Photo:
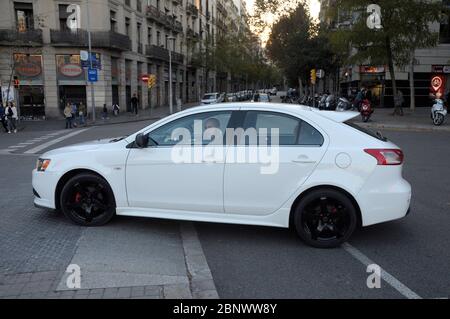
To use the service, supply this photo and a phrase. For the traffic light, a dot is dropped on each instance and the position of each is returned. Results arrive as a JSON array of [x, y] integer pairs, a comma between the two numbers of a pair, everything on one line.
[[313, 76], [16, 82]]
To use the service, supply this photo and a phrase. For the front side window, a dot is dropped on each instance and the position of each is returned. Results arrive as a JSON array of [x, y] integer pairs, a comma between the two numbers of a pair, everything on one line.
[[291, 131], [195, 126]]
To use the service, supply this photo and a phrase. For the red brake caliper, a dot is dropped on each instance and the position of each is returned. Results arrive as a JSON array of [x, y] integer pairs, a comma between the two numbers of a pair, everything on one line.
[[77, 197]]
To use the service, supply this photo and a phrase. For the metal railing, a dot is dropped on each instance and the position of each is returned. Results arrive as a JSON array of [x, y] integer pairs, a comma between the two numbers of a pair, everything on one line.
[[192, 9], [100, 39], [13, 37], [160, 53]]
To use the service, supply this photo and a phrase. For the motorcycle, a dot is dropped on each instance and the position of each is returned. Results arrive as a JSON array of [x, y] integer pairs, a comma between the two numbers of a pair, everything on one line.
[[438, 112], [322, 102], [343, 105], [366, 110]]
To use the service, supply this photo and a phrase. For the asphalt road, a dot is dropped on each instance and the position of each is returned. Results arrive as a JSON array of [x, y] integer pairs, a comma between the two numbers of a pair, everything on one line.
[[255, 262]]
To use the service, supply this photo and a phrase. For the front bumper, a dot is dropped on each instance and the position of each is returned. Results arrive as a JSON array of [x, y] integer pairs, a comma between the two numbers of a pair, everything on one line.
[[44, 186]]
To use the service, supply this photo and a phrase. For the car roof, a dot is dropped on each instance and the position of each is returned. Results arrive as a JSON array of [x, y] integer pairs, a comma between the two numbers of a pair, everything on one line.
[[278, 107]]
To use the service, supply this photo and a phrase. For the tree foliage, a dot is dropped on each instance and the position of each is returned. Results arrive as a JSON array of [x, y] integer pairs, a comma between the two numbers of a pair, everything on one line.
[[297, 45]]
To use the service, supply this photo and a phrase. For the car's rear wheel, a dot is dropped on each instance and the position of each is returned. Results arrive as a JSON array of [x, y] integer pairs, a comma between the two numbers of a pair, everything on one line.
[[325, 218], [88, 200]]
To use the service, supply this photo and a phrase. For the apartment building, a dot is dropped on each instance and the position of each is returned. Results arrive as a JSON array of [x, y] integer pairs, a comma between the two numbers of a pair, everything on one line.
[[430, 63], [130, 38]]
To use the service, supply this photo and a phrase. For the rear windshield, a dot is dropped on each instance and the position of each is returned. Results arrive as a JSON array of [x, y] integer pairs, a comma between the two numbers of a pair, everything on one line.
[[376, 135], [209, 97]]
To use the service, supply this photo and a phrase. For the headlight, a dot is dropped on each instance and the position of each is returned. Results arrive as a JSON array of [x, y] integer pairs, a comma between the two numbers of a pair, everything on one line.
[[42, 164]]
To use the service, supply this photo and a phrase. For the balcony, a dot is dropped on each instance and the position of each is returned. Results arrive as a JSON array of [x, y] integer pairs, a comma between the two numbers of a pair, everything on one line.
[[99, 39], [159, 53], [191, 34], [177, 2], [12, 37], [154, 14], [221, 9], [192, 10]]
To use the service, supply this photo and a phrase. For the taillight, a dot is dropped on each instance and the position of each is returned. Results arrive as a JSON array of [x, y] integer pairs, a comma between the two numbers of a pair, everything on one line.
[[387, 156]]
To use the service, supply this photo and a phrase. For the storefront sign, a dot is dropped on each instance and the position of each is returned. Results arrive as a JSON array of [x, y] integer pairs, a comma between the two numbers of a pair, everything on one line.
[[28, 69], [372, 69], [437, 84], [70, 70], [441, 69]]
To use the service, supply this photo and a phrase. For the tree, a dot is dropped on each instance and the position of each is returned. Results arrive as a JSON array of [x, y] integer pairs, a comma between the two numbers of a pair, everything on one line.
[[405, 28], [296, 45]]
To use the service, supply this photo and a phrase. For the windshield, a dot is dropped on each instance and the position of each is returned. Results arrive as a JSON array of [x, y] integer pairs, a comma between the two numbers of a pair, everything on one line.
[[376, 135]]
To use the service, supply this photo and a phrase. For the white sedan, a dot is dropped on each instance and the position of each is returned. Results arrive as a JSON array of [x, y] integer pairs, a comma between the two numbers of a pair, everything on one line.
[[277, 165]]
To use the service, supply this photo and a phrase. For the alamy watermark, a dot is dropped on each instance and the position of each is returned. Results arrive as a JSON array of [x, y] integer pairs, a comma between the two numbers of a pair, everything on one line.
[[73, 280], [252, 146]]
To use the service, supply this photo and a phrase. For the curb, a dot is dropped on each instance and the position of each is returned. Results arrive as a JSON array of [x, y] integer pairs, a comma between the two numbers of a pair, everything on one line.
[[406, 127]]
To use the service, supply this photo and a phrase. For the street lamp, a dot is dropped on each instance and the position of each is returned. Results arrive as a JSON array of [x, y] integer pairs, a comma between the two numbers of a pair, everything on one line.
[[170, 76]]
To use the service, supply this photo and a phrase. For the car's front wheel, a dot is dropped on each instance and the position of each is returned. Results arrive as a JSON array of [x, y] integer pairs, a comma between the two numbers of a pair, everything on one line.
[[325, 218], [88, 200]]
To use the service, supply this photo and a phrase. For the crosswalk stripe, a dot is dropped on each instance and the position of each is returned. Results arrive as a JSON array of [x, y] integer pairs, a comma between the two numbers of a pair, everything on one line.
[[53, 142]]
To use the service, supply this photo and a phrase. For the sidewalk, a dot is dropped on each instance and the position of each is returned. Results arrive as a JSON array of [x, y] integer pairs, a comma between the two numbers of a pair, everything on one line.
[[124, 117], [414, 121]]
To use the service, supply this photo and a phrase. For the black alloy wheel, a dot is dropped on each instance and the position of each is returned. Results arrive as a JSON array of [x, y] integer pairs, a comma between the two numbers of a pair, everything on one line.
[[88, 200], [325, 218]]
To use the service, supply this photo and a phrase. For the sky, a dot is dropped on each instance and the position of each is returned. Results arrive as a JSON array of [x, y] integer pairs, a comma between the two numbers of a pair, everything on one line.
[[313, 4]]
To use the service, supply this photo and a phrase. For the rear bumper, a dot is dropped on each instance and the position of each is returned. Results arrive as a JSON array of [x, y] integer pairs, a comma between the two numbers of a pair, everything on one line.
[[385, 197]]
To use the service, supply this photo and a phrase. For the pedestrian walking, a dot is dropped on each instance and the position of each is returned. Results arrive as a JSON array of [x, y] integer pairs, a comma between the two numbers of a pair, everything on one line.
[[134, 103], [116, 109], [398, 103], [81, 114], [3, 118], [68, 116], [105, 112], [11, 115], [74, 110]]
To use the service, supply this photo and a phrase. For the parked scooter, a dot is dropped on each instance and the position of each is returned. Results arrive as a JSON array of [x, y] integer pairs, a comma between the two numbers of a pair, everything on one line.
[[366, 110], [322, 102], [438, 112], [330, 103], [344, 105]]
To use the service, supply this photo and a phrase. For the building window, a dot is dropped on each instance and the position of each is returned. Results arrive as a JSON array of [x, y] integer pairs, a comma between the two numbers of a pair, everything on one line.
[[149, 36], [113, 20], [158, 38], [127, 3], [139, 5], [24, 16], [158, 4], [167, 42], [63, 15], [127, 27], [139, 32]]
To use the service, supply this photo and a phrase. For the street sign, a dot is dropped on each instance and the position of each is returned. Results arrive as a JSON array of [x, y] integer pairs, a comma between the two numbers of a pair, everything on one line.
[[320, 74], [96, 60], [92, 75], [144, 77]]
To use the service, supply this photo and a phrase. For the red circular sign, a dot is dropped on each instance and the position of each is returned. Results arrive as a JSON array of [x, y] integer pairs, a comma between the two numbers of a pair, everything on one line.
[[144, 77], [436, 83], [28, 69], [70, 70]]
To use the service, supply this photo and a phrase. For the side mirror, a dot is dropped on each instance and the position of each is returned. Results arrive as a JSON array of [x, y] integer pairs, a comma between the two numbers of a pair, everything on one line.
[[141, 140]]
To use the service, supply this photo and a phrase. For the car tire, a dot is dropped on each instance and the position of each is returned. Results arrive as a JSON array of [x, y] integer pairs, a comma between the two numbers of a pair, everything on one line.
[[329, 211], [88, 200]]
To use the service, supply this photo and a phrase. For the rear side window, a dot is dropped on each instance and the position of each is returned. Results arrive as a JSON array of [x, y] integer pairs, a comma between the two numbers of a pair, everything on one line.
[[364, 130], [292, 131]]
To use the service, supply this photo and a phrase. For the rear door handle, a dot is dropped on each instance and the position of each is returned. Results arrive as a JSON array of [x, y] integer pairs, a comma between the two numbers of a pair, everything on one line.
[[303, 159]]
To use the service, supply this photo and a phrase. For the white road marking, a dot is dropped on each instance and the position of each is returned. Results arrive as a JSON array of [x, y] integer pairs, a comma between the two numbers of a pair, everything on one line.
[[387, 277], [16, 146], [53, 142]]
